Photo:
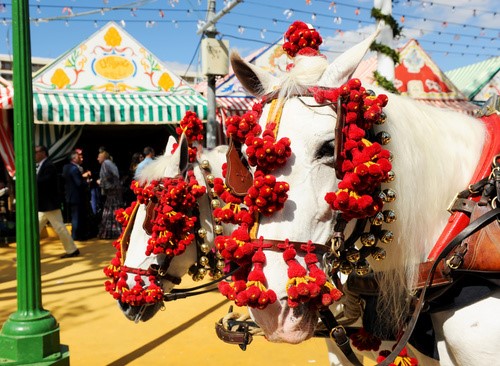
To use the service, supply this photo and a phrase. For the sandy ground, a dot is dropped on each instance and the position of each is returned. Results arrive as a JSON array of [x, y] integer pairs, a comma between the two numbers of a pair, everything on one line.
[[98, 334]]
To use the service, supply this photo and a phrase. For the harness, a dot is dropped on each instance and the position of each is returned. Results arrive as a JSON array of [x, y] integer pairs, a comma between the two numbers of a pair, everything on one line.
[[239, 179], [446, 261]]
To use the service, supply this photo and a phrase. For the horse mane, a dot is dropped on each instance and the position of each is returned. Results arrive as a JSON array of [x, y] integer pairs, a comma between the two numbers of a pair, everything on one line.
[[155, 169], [433, 148]]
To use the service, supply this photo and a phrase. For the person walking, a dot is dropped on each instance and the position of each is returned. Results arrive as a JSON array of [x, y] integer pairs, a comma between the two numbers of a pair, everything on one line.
[[111, 190], [49, 203], [76, 192], [149, 154]]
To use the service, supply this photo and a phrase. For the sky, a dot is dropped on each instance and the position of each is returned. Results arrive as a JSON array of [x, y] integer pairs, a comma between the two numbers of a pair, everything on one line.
[[454, 33]]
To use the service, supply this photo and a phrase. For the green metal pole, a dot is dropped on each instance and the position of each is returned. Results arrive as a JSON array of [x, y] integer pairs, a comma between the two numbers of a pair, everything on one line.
[[31, 334]]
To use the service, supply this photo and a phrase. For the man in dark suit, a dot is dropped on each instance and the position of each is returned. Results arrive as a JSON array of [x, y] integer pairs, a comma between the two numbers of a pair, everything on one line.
[[76, 191], [49, 204]]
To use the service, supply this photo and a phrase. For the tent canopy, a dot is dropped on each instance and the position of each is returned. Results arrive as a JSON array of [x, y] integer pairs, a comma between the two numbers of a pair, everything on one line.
[[478, 81], [111, 78]]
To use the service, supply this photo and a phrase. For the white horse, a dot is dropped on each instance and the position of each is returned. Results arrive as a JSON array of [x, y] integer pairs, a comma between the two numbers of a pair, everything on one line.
[[136, 261], [435, 154]]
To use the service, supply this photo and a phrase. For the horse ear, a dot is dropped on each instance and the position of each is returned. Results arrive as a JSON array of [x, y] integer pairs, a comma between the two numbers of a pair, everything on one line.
[[183, 150], [254, 79], [343, 67], [170, 144]]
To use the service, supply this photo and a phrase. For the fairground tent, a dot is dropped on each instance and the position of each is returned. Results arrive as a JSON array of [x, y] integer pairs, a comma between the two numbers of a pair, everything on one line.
[[479, 81], [418, 77], [108, 79]]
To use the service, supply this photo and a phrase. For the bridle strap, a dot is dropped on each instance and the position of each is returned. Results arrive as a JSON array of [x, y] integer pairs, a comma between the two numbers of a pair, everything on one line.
[[339, 141], [125, 240], [280, 245], [338, 334]]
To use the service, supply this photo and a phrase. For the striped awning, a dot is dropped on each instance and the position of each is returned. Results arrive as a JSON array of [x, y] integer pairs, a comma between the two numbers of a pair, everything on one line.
[[235, 105], [462, 106], [91, 108]]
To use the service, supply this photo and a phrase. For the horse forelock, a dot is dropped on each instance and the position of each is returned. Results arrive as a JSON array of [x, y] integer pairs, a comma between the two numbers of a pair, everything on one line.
[[306, 72]]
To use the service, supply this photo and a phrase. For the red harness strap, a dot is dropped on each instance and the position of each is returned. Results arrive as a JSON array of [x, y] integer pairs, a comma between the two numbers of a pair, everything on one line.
[[458, 220]]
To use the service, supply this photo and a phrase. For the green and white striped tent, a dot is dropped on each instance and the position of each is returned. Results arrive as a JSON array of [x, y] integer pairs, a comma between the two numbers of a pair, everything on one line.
[[478, 81], [108, 79], [112, 78], [92, 108]]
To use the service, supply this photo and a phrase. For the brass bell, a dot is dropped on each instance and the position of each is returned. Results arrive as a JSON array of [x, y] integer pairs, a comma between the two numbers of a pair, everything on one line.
[[197, 277], [391, 156], [204, 261], [335, 263], [202, 232], [346, 267], [379, 254], [212, 192], [220, 265], [382, 119], [217, 275], [352, 255], [202, 272], [205, 248], [210, 179], [368, 239], [218, 255], [383, 137], [205, 164], [215, 203], [362, 268], [389, 216], [192, 270], [377, 219], [390, 176], [390, 195], [386, 236], [219, 229]]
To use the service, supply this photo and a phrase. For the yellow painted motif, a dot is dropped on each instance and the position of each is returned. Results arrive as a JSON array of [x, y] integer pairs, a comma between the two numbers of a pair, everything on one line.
[[115, 88], [114, 67], [112, 37], [165, 81], [60, 79]]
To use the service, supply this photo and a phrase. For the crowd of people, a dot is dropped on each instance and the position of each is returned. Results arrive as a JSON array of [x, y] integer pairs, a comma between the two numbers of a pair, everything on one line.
[[91, 203]]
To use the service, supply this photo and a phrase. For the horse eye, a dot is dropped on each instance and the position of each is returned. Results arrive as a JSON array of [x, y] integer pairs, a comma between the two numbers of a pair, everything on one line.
[[326, 151]]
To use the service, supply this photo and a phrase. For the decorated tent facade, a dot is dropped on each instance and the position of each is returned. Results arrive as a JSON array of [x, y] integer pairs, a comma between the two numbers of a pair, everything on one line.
[[109, 79], [479, 81], [418, 77]]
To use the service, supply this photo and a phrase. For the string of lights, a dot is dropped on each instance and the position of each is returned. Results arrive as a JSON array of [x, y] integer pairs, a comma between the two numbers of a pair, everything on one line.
[[139, 6], [450, 37]]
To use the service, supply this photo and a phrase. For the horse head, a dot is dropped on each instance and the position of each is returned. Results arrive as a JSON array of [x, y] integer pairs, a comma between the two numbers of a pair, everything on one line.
[[310, 172], [146, 274]]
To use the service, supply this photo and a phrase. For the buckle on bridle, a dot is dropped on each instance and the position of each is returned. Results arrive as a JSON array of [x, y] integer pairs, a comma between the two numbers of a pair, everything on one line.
[[339, 335]]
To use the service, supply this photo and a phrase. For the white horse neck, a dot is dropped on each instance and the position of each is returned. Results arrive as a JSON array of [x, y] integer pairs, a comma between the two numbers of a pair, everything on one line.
[[435, 155]]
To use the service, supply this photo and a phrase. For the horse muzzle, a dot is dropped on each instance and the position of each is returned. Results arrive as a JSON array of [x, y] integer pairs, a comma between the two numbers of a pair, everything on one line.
[[139, 313], [283, 324]]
